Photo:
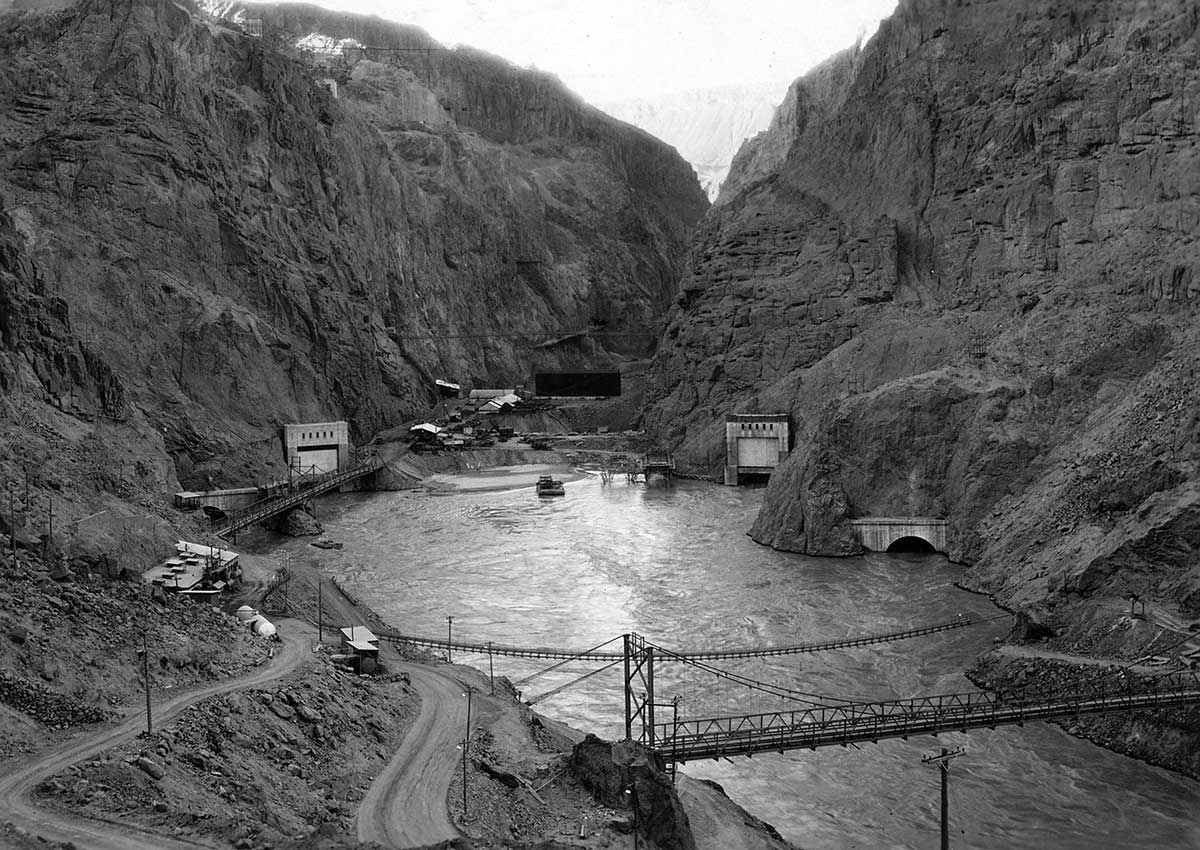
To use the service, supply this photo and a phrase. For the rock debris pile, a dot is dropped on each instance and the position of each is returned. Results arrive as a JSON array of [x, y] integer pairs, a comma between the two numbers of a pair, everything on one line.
[[258, 768], [69, 648], [52, 709]]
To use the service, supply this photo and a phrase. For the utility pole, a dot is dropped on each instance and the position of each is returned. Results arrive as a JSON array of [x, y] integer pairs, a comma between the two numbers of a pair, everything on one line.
[[633, 799], [449, 635], [49, 528], [491, 672], [466, 743], [145, 653], [12, 522], [320, 615], [943, 763]]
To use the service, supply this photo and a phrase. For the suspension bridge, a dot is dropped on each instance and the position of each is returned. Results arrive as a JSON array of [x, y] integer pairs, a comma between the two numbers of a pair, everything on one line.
[[598, 653], [824, 721]]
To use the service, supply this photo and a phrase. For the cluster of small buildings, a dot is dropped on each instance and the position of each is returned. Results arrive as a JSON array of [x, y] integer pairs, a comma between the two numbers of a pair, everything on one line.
[[196, 570], [459, 428]]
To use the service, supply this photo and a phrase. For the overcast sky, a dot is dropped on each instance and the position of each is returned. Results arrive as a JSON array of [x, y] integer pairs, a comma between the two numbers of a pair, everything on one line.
[[614, 49]]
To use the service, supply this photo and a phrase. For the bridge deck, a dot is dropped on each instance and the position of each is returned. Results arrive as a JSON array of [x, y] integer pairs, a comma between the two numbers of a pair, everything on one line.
[[314, 486], [718, 737]]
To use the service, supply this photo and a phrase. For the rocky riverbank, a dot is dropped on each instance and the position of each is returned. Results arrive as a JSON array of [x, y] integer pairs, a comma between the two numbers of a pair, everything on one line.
[[1168, 737]]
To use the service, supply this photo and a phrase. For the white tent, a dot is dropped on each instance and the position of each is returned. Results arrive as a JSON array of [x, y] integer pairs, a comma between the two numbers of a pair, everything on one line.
[[427, 427]]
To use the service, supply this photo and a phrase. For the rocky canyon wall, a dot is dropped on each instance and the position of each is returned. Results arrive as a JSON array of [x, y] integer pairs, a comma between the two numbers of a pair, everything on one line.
[[205, 235], [963, 259]]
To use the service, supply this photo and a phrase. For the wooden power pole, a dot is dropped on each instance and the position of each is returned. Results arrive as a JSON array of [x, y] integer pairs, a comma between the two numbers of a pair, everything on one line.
[[943, 763]]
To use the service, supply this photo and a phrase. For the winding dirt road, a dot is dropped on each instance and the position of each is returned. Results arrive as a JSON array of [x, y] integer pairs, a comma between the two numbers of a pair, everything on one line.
[[406, 804], [16, 788]]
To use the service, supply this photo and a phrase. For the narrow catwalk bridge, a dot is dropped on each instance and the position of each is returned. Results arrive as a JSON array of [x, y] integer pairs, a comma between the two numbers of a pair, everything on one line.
[[851, 723], [598, 653], [311, 486]]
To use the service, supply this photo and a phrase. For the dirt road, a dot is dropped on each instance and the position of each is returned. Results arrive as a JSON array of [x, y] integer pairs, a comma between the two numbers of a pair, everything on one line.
[[16, 787], [406, 804]]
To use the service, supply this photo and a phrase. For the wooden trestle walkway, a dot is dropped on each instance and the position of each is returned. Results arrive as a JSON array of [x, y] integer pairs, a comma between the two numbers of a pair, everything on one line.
[[678, 655], [311, 486], [825, 726]]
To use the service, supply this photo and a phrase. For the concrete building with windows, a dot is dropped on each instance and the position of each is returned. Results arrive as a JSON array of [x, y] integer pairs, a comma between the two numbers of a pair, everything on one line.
[[316, 447], [755, 443]]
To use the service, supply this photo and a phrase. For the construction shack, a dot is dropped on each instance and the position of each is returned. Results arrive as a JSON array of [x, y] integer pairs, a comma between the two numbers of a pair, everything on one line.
[[363, 646]]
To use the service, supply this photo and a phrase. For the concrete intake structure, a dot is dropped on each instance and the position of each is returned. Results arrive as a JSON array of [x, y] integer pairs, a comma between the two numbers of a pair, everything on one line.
[[879, 533], [317, 447], [755, 443]]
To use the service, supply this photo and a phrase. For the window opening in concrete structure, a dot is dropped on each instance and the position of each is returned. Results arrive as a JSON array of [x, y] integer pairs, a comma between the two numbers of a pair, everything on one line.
[[753, 479]]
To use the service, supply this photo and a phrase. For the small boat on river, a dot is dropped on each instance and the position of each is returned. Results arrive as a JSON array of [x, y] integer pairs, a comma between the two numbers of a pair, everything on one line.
[[549, 486]]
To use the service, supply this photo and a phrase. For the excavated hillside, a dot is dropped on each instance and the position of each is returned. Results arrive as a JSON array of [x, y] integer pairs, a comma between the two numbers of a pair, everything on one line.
[[205, 235], [963, 260]]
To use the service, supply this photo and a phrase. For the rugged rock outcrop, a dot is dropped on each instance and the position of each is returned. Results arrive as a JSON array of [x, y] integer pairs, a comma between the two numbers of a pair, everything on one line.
[[624, 773], [205, 235], [963, 259]]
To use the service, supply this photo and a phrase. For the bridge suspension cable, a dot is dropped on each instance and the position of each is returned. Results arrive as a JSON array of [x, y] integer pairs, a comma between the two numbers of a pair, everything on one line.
[[754, 684], [845, 643], [584, 654], [574, 682], [683, 654]]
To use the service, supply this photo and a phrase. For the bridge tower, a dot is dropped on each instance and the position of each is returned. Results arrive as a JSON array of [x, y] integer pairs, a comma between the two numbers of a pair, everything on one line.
[[639, 688]]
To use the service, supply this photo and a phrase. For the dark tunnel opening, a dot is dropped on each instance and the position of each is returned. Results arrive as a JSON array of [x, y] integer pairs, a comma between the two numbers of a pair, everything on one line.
[[911, 544]]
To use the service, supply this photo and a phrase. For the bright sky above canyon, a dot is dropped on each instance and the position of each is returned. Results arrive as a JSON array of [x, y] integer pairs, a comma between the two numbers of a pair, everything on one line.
[[616, 49]]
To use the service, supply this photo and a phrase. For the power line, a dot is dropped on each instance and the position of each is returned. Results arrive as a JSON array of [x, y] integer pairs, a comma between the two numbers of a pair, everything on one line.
[[510, 334]]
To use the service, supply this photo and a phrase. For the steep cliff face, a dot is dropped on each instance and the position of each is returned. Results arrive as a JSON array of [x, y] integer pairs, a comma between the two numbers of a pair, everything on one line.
[[963, 260], [240, 248]]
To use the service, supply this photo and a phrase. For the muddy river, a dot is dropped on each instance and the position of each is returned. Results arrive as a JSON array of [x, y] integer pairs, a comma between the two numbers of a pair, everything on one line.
[[676, 566]]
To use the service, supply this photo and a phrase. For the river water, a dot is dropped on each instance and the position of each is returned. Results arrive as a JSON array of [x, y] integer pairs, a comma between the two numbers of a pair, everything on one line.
[[675, 566]]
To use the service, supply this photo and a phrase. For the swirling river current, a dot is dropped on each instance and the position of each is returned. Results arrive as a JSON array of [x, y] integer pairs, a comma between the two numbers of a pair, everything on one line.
[[676, 566]]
